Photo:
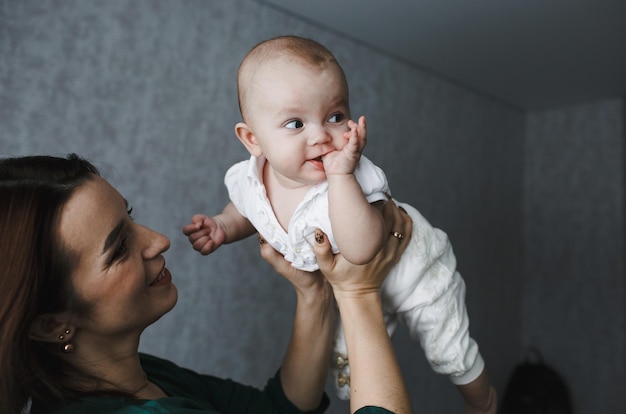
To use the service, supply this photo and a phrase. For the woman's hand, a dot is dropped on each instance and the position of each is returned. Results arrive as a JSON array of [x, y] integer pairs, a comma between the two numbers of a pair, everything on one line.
[[307, 284], [349, 279]]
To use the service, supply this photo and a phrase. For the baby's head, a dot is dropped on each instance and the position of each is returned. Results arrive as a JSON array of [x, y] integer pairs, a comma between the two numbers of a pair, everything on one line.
[[298, 51]]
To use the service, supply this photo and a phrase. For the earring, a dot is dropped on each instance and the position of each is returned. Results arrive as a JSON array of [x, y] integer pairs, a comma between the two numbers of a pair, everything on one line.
[[67, 347]]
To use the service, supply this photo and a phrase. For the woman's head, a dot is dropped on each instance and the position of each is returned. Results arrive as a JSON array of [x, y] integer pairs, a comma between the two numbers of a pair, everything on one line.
[[71, 258]]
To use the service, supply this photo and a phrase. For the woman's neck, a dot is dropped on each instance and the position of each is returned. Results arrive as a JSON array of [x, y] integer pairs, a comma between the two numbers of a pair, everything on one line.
[[114, 367]]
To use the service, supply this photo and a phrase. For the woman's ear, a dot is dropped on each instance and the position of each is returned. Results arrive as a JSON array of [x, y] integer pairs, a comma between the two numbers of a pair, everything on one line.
[[49, 327], [248, 139]]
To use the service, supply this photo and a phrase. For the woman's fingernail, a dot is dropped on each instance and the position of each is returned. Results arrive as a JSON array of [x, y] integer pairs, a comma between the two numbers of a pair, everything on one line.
[[319, 237], [261, 239]]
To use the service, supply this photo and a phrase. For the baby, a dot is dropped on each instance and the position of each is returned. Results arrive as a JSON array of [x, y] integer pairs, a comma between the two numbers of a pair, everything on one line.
[[306, 172]]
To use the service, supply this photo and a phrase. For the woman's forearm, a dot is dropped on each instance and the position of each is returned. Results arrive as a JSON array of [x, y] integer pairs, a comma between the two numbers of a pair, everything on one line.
[[305, 365], [375, 377]]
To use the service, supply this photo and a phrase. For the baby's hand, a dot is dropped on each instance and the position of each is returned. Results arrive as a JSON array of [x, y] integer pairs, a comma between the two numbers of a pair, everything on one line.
[[345, 161], [204, 233]]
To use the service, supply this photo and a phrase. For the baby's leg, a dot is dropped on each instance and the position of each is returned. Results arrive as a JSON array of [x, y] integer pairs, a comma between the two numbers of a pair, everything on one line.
[[340, 366]]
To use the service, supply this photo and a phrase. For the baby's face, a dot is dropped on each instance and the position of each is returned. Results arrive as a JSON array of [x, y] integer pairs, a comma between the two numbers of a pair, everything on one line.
[[298, 114]]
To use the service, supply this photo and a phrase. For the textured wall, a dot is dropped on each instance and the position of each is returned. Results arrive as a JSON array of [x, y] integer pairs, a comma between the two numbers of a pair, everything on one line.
[[146, 89], [574, 239]]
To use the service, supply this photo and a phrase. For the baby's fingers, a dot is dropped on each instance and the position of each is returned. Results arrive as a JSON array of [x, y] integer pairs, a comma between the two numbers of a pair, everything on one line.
[[204, 245], [362, 124], [188, 229], [361, 132], [197, 222]]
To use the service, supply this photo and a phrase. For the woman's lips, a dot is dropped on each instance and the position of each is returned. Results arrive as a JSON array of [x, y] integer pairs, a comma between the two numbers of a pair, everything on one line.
[[164, 278]]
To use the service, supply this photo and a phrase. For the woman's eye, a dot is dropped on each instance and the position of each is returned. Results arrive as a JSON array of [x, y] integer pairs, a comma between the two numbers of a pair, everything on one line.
[[295, 124], [335, 118], [121, 249]]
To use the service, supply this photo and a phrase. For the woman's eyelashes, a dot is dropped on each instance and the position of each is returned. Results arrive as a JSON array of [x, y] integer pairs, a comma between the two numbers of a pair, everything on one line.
[[121, 249], [122, 245]]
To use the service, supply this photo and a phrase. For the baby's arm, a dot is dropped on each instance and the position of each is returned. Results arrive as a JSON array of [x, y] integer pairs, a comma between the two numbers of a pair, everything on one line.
[[206, 233], [358, 226], [479, 396]]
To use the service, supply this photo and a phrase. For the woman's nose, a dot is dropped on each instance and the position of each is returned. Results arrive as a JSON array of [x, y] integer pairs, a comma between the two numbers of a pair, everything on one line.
[[155, 243]]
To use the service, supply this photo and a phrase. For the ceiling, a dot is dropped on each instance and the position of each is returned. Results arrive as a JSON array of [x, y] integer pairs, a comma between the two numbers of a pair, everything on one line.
[[532, 54]]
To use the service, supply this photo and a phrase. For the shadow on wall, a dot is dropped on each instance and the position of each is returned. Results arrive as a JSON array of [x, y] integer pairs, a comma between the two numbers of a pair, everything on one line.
[[536, 388]]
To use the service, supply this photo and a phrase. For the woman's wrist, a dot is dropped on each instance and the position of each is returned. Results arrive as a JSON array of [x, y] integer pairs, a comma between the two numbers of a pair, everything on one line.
[[358, 303], [356, 293], [314, 294], [316, 305]]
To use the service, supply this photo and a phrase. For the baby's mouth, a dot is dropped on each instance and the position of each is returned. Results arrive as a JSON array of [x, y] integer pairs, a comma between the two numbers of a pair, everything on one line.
[[317, 162]]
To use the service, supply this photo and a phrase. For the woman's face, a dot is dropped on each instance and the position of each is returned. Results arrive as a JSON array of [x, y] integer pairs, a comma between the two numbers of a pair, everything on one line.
[[120, 272]]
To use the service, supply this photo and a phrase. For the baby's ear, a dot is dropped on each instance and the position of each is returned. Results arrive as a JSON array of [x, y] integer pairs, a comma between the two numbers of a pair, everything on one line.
[[51, 328], [248, 139]]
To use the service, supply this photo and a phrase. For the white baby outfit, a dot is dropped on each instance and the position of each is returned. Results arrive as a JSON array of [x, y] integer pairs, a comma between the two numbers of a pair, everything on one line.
[[423, 290]]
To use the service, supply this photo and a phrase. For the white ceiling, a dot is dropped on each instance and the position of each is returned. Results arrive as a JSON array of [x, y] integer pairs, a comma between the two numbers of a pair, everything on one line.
[[532, 54]]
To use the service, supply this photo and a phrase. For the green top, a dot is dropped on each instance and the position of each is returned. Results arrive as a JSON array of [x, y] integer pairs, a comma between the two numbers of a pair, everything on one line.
[[191, 393], [372, 410]]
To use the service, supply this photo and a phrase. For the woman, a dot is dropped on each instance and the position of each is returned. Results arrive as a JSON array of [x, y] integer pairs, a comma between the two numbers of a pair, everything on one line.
[[80, 281]]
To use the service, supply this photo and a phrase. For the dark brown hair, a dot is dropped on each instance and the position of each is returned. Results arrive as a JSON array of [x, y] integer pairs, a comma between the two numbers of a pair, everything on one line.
[[34, 274]]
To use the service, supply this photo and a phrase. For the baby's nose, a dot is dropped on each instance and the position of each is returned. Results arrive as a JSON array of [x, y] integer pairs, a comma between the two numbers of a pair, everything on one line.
[[319, 136]]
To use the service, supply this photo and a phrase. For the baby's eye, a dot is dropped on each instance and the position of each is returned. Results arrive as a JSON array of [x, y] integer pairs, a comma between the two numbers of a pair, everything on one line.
[[295, 124], [336, 118], [130, 213]]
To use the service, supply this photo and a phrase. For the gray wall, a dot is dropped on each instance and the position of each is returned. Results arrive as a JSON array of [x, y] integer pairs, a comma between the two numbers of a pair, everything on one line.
[[146, 89], [574, 240]]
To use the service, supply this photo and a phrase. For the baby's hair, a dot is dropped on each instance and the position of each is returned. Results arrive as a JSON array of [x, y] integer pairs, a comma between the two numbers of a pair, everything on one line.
[[305, 51]]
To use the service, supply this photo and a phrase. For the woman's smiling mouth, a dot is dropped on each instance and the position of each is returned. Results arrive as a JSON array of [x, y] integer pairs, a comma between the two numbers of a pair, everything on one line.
[[162, 278]]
